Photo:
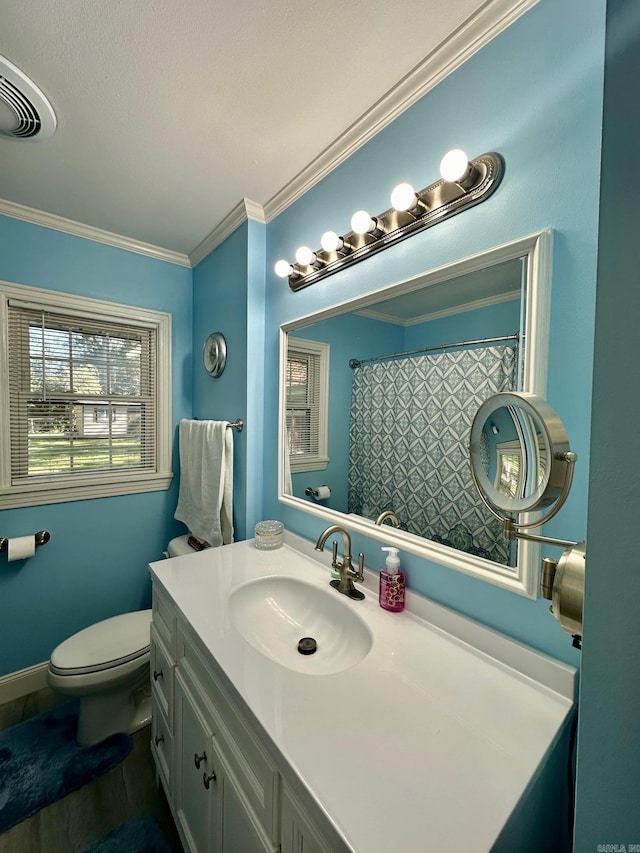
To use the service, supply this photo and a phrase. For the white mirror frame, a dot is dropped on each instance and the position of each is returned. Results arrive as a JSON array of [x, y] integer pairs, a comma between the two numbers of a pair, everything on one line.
[[524, 577]]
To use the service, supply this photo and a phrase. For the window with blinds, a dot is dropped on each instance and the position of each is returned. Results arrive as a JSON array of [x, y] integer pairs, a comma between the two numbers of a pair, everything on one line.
[[306, 394], [83, 401]]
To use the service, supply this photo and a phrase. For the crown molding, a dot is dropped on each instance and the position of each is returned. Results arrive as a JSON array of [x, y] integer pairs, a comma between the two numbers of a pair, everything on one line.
[[88, 232], [245, 209], [494, 17], [472, 305]]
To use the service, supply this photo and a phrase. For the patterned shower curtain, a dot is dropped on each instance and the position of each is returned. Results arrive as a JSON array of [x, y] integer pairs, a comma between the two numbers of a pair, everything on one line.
[[409, 443]]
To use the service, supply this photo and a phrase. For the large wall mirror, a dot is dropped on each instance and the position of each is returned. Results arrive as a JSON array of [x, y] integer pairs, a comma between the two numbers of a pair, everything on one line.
[[377, 398]]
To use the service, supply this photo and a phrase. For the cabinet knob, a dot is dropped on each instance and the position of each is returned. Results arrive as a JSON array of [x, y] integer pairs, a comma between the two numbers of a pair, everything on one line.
[[159, 739], [206, 780], [157, 673], [198, 759]]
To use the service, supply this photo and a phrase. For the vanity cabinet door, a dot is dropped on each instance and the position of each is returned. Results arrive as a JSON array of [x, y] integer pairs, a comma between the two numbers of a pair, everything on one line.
[[299, 833], [254, 771], [197, 801], [239, 828]]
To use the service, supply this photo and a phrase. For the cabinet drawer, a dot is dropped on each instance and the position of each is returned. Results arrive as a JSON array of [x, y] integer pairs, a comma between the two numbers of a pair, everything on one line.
[[162, 749], [248, 760], [163, 614], [162, 675]]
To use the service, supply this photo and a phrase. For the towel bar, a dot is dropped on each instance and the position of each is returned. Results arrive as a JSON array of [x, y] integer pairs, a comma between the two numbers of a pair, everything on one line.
[[237, 424]]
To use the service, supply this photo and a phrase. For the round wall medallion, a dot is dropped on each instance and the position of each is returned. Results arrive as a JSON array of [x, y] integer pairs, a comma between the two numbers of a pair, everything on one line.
[[214, 354]]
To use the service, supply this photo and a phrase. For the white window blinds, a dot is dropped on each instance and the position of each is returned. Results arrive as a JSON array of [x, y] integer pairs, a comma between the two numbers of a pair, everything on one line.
[[82, 394], [306, 399], [303, 402]]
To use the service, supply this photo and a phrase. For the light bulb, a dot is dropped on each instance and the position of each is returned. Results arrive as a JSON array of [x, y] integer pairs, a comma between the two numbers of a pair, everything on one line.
[[283, 269], [454, 165], [362, 223], [404, 197], [304, 256], [331, 242]]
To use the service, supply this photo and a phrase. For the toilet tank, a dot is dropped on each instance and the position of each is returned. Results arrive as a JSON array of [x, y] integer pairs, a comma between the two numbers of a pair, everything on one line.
[[179, 546]]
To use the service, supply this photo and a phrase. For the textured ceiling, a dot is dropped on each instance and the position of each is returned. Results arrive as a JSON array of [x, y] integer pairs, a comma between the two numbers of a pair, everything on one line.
[[170, 113]]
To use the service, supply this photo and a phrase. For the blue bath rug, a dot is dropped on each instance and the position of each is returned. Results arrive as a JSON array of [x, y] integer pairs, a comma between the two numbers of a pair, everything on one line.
[[40, 762], [140, 835]]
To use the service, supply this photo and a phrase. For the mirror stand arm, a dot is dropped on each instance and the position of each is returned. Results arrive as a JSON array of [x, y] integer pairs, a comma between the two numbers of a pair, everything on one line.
[[511, 532]]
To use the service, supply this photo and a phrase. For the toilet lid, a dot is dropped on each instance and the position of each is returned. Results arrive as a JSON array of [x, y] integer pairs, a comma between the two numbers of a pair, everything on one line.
[[106, 644]]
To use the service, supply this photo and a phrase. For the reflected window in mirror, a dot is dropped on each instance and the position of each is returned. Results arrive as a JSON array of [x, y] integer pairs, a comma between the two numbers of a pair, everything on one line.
[[306, 384], [410, 365]]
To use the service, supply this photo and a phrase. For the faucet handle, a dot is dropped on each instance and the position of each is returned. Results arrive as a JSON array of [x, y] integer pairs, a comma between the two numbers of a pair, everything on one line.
[[334, 563], [360, 574]]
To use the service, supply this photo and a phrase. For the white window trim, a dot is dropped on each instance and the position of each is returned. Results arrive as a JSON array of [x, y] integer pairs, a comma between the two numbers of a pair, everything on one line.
[[315, 461], [103, 483]]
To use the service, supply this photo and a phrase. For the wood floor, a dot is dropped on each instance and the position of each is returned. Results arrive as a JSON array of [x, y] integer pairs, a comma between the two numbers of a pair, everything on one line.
[[71, 824]]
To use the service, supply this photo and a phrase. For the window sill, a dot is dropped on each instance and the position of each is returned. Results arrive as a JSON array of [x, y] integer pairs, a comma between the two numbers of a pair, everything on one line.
[[47, 493], [317, 463]]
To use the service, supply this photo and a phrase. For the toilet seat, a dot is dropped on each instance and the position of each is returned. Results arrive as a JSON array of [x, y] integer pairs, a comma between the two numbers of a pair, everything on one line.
[[108, 644]]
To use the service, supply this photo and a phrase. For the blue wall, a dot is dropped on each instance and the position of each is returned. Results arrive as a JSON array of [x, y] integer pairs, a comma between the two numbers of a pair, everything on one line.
[[529, 97], [607, 811], [95, 565], [228, 296], [490, 321], [220, 305]]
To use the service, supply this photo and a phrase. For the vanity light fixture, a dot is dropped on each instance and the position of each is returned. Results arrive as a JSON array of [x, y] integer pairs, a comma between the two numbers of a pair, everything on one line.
[[404, 197], [463, 183], [283, 269], [363, 223], [455, 167], [305, 257], [332, 242]]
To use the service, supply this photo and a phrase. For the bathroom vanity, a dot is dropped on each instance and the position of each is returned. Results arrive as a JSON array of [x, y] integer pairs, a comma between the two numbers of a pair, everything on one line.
[[420, 731]]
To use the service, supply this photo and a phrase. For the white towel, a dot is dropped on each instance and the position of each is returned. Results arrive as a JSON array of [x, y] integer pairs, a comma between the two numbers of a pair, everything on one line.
[[205, 501]]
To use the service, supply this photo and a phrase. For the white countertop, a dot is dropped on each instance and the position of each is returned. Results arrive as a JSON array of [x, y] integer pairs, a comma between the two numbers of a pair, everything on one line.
[[426, 744]]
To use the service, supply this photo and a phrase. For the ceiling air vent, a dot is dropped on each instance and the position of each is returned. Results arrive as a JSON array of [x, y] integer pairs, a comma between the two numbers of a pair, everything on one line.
[[25, 113]]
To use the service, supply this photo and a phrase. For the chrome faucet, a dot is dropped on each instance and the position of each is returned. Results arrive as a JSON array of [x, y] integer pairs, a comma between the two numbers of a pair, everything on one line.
[[388, 514], [347, 573]]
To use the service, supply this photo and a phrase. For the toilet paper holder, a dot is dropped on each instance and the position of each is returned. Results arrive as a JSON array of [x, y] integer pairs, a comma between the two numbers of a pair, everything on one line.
[[42, 537], [319, 493]]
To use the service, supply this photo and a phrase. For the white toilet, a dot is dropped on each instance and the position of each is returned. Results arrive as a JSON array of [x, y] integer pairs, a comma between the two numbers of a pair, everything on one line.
[[107, 666], [179, 547]]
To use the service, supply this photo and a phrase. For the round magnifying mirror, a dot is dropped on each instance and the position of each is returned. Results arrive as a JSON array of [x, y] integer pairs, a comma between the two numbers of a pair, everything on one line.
[[518, 452]]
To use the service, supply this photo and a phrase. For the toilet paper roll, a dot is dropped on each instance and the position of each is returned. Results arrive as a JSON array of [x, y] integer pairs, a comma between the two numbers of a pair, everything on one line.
[[21, 547], [322, 493]]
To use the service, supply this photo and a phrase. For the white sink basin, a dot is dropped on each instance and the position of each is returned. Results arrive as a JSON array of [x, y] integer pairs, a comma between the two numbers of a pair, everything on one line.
[[275, 613]]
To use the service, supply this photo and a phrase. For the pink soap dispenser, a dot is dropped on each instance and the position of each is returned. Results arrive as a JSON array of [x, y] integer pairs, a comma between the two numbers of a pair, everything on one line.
[[392, 583]]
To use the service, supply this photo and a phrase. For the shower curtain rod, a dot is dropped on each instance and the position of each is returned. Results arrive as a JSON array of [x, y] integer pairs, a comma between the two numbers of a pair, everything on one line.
[[354, 362]]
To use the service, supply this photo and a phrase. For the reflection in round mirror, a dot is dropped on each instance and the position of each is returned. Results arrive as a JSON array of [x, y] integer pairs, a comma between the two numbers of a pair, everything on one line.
[[517, 448]]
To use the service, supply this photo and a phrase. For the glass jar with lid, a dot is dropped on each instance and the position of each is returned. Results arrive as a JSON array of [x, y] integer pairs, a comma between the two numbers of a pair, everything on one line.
[[269, 535]]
